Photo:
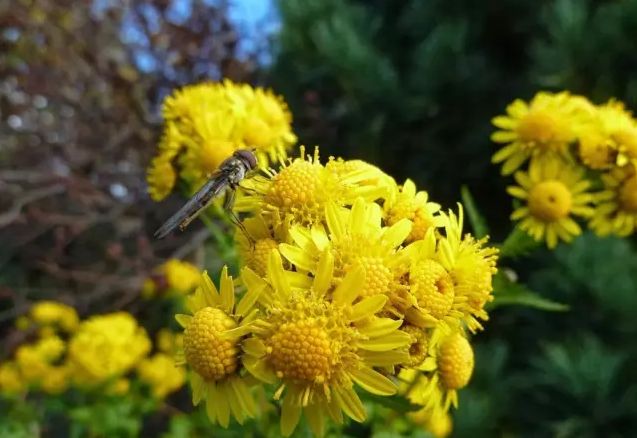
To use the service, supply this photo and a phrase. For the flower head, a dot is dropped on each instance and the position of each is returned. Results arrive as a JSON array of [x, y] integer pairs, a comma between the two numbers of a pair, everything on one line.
[[554, 191], [406, 203], [355, 239], [213, 336], [316, 341], [546, 126], [434, 383], [616, 209], [174, 277], [106, 346], [55, 314], [160, 373], [300, 191], [205, 123]]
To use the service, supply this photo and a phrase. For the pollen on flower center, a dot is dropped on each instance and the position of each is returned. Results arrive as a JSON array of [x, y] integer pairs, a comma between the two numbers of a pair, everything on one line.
[[206, 352], [302, 351], [550, 200], [537, 127], [377, 275], [432, 286], [455, 361], [213, 152], [295, 185], [628, 195], [260, 254]]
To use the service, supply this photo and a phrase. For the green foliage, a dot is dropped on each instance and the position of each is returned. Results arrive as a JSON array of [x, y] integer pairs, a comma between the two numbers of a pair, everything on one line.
[[479, 225], [508, 292]]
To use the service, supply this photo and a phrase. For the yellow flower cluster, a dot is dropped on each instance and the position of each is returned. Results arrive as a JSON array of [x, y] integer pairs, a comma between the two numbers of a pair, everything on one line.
[[206, 123], [580, 162], [99, 352], [349, 280], [174, 277]]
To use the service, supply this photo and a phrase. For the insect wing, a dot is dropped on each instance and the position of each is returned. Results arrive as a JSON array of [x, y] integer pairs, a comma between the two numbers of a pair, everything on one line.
[[194, 206]]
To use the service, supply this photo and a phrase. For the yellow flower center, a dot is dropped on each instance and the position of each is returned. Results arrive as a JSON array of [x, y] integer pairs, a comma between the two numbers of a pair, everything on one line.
[[212, 357], [432, 286], [295, 186], [537, 127], [260, 254], [212, 154], [377, 275], [257, 133], [628, 195], [418, 345], [302, 351], [550, 201], [455, 361]]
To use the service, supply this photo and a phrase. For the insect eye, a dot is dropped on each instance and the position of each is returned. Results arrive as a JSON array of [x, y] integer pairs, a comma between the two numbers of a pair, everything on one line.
[[248, 157]]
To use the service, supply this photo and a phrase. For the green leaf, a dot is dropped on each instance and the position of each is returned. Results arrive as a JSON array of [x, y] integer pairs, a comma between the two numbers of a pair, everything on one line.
[[507, 292], [518, 243], [479, 225]]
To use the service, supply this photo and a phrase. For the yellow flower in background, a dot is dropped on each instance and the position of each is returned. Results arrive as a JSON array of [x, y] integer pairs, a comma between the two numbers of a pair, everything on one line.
[[11, 380], [439, 424], [169, 342], [106, 346], [621, 129], [52, 313], [300, 191], [35, 360], [407, 203], [205, 123], [434, 383], [175, 277], [545, 126], [212, 341], [616, 209], [554, 192], [160, 373], [355, 239], [316, 342], [161, 177]]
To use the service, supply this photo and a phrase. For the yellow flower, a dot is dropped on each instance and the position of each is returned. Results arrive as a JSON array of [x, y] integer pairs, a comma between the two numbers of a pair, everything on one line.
[[355, 239], [406, 203], [161, 178], [160, 373], [620, 127], [554, 191], [52, 313], [169, 342], [205, 123], [57, 379], [374, 177], [106, 346], [437, 423], [300, 191], [35, 360], [316, 342], [262, 237], [11, 381], [434, 383], [545, 126], [213, 336], [616, 211], [471, 265], [174, 277]]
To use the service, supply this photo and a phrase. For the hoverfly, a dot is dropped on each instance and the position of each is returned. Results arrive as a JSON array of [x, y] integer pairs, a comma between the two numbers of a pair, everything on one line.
[[230, 173]]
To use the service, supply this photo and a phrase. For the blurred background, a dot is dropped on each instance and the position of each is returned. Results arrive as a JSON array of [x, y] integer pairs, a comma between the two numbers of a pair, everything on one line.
[[410, 86]]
